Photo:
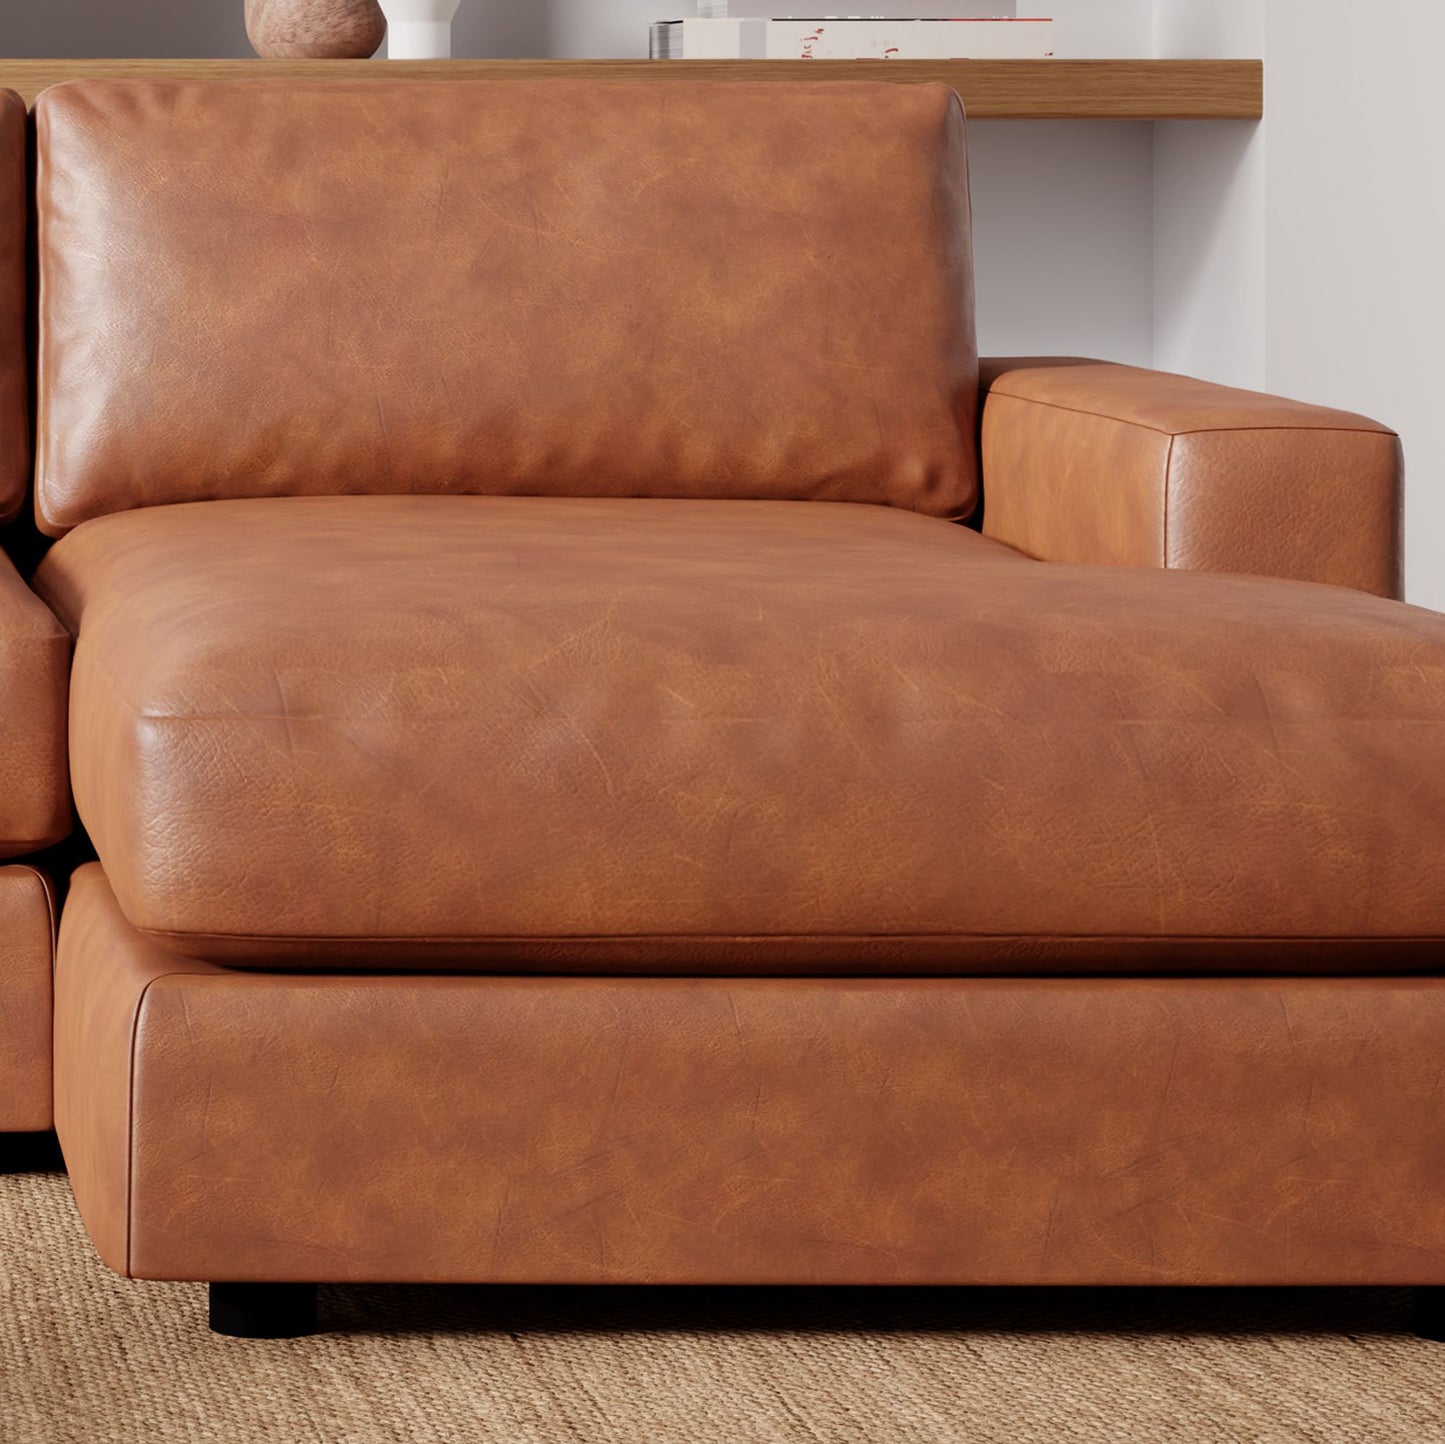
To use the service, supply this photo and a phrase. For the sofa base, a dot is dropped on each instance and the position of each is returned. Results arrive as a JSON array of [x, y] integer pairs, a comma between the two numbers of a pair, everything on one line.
[[235, 1127], [1429, 1314], [289, 1311], [263, 1311]]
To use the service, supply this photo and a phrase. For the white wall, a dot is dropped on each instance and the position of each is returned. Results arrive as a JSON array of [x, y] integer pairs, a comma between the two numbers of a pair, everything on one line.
[[157, 28], [1303, 256], [1063, 220], [1355, 290], [1098, 29], [1209, 272], [1064, 213], [1209, 209]]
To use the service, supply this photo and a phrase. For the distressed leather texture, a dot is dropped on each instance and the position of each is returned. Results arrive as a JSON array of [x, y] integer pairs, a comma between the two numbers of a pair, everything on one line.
[[692, 736], [27, 938], [14, 367], [34, 682], [219, 1125], [1088, 462], [522, 632], [529, 288], [34, 677]]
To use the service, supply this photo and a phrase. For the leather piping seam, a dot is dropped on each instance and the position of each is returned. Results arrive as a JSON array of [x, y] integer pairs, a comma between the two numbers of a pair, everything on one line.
[[486, 939], [1373, 430], [47, 891], [48, 888], [29, 867], [132, 1051], [1164, 557], [248, 718]]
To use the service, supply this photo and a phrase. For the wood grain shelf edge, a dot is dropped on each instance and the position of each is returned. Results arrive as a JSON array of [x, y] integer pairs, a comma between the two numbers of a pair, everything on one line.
[[992, 89]]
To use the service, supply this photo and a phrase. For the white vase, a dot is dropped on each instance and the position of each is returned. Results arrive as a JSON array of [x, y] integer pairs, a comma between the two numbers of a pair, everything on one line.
[[419, 29]]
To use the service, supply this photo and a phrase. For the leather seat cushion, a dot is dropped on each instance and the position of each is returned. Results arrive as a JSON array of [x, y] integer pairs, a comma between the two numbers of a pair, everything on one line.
[[695, 736]]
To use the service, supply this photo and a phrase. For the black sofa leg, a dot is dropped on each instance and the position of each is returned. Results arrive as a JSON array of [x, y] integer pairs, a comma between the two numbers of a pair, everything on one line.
[[1429, 1320], [263, 1311]]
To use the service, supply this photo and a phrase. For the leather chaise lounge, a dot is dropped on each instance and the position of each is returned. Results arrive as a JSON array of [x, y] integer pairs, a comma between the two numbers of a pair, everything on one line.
[[34, 674], [617, 752]]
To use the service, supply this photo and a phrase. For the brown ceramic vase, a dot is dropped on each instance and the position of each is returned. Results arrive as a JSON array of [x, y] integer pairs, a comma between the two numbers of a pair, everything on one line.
[[315, 29]]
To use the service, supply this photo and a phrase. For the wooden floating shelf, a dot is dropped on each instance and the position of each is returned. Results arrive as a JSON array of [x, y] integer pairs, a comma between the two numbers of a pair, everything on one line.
[[991, 89]]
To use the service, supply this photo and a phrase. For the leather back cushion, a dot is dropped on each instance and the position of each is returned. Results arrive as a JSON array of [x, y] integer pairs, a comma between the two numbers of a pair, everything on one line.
[[659, 289], [14, 384]]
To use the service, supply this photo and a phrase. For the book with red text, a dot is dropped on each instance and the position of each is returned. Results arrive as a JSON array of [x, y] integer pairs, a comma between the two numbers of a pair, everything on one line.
[[859, 10], [852, 39]]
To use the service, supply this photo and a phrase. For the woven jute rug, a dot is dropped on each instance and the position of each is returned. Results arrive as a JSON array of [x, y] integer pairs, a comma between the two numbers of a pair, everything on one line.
[[86, 1357]]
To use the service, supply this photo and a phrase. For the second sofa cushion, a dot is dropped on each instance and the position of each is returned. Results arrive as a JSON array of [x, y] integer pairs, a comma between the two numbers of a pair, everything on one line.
[[699, 736], [14, 380]]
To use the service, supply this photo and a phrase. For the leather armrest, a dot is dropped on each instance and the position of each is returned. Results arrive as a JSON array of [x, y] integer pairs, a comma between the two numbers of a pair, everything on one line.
[[1089, 462], [14, 377], [35, 809]]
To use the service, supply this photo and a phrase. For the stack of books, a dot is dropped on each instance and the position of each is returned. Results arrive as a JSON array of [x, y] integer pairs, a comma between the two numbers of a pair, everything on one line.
[[769, 30]]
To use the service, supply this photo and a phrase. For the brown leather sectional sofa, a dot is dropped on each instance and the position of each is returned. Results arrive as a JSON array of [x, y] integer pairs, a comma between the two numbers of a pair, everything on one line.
[[35, 807], [575, 800]]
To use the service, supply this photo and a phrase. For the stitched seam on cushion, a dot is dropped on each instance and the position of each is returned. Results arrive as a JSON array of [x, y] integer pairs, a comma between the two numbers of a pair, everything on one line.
[[344, 716], [130, 1125], [101, 671], [47, 889], [1168, 495], [1373, 430], [1296, 430], [481, 939], [130, 1115]]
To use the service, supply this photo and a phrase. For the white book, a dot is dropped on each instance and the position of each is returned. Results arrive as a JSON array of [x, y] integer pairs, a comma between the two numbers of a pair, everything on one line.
[[856, 9], [755, 39]]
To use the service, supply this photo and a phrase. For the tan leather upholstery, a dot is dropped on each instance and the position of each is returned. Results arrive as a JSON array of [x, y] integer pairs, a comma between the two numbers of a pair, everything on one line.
[[690, 736], [219, 1125], [14, 381], [1087, 462], [34, 677], [27, 936], [613, 675], [569, 288]]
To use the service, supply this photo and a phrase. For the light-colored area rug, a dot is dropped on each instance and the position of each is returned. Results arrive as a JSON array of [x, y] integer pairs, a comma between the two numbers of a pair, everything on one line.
[[88, 1358]]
